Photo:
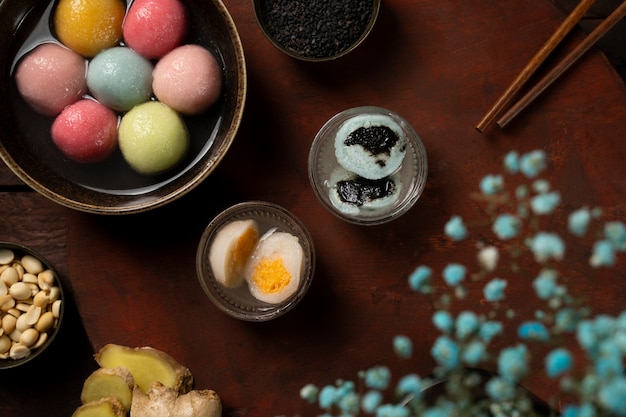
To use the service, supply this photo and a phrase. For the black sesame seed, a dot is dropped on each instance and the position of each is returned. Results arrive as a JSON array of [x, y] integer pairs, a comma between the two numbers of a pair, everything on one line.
[[316, 28]]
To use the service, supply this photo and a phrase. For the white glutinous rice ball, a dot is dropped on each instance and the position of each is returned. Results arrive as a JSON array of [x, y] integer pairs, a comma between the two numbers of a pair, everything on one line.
[[273, 273], [352, 195], [370, 145], [232, 247]]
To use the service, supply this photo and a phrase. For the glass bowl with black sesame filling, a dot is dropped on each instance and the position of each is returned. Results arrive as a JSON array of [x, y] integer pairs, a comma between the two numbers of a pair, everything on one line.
[[319, 30], [367, 165]]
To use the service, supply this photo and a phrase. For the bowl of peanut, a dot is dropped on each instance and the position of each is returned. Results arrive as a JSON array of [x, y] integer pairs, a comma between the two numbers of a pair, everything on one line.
[[31, 304]]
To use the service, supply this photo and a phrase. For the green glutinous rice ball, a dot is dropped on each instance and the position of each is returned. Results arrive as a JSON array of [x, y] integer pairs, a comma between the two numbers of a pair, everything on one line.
[[153, 138]]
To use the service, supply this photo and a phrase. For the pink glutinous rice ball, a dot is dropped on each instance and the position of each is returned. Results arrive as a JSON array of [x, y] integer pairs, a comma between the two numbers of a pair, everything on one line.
[[50, 78], [188, 79], [86, 131], [154, 27]]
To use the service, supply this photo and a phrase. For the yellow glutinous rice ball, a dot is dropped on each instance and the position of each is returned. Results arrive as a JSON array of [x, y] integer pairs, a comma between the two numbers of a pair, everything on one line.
[[273, 273], [230, 251], [89, 26]]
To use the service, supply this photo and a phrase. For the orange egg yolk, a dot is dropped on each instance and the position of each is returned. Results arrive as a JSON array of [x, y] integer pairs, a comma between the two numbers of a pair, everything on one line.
[[271, 276], [245, 245]]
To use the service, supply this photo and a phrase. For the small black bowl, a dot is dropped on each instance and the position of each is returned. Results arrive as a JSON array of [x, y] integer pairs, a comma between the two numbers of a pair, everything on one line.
[[301, 32], [19, 251]]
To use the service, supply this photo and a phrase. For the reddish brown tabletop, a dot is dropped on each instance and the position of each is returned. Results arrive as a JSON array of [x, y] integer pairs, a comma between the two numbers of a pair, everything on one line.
[[439, 64]]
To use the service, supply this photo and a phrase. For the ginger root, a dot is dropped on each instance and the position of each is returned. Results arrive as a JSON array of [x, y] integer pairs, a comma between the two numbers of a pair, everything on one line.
[[109, 382], [162, 401], [147, 365], [104, 407], [144, 382]]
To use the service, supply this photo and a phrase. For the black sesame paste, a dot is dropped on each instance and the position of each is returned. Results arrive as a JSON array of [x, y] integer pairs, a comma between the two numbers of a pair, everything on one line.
[[375, 139], [359, 191], [316, 28]]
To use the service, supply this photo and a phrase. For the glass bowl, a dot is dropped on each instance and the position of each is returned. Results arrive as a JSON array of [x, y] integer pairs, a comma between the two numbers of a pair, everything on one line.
[[327, 175], [279, 29], [30, 338], [239, 302]]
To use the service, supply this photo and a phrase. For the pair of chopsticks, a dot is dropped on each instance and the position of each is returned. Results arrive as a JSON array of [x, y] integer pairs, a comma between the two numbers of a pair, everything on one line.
[[557, 71]]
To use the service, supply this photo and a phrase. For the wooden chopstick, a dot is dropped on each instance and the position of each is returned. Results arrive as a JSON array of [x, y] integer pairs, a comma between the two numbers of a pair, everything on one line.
[[565, 27], [567, 62]]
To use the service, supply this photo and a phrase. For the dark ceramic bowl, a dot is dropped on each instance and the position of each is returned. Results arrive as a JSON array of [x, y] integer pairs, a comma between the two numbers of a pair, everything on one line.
[[112, 187], [47, 337], [288, 36]]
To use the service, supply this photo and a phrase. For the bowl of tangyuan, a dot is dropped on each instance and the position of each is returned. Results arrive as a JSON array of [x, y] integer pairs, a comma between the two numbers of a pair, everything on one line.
[[367, 165], [116, 107], [31, 304]]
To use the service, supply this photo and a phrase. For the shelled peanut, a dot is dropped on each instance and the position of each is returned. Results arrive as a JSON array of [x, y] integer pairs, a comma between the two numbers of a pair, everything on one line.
[[30, 304]]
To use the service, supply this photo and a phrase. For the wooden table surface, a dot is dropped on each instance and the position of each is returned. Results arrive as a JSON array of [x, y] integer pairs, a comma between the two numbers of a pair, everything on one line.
[[440, 64]]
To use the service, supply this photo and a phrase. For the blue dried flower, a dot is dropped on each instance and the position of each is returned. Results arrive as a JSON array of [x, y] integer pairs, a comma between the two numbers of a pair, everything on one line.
[[609, 360], [466, 324], [327, 396], [541, 186], [309, 393], [513, 363], [533, 330], [446, 352], [371, 401], [533, 163], [547, 246], [392, 410], [612, 396], [345, 388], [603, 254], [474, 352], [506, 226], [494, 290], [566, 320], [545, 203], [443, 321], [349, 403], [545, 284], [402, 346], [511, 162], [377, 377], [410, 385], [500, 389], [583, 410], [586, 336], [578, 221], [453, 274], [490, 329], [491, 184], [419, 280], [615, 232], [558, 362], [455, 228]]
